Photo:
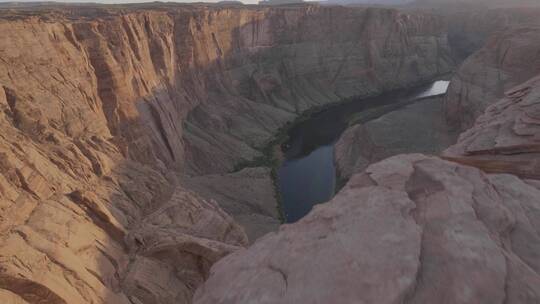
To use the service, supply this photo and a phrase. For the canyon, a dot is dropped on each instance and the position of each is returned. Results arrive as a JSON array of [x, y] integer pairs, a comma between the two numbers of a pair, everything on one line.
[[135, 165]]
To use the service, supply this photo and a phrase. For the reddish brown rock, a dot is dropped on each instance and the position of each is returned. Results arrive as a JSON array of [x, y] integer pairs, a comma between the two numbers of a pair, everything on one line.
[[410, 229], [506, 137]]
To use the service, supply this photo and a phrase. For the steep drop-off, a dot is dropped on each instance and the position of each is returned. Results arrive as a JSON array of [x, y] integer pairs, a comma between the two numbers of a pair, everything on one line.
[[419, 127], [105, 109], [504, 47], [413, 228], [464, 228], [508, 58], [297, 59], [506, 138], [470, 28], [410, 229]]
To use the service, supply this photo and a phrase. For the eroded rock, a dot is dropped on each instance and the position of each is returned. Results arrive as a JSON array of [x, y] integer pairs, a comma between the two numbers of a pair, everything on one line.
[[247, 195], [416, 128], [506, 60], [506, 137], [411, 229]]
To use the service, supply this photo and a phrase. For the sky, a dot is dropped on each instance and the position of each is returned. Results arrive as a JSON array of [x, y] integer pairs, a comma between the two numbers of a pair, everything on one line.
[[123, 1], [130, 1]]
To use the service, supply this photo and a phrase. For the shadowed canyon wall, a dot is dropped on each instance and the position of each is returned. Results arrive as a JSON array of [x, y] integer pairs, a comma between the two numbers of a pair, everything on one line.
[[104, 110], [297, 59], [509, 55]]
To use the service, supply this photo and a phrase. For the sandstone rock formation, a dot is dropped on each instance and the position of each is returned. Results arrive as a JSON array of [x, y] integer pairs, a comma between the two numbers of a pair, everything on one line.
[[81, 224], [291, 60], [354, 151], [104, 110], [469, 28], [247, 195], [419, 127], [506, 137], [506, 60], [410, 229]]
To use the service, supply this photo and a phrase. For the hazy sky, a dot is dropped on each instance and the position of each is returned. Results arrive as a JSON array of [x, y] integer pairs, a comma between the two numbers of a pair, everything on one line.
[[124, 1]]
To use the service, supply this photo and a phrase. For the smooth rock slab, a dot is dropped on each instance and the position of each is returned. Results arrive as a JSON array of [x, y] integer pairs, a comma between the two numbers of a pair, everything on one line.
[[410, 229]]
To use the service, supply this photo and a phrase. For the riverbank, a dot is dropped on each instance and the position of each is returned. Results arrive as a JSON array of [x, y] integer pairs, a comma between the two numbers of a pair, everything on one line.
[[417, 127], [273, 154]]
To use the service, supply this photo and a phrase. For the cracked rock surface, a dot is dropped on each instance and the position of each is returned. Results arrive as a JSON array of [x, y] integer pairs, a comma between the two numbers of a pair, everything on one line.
[[506, 138], [409, 229]]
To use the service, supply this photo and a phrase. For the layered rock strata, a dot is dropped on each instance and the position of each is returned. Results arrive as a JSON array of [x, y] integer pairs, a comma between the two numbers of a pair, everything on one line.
[[247, 195], [419, 127], [469, 28], [506, 138], [506, 60], [293, 60]]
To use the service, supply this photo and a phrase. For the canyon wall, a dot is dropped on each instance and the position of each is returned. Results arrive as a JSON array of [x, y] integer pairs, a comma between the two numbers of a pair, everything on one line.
[[418, 127], [508, 58], [231, 76], [470, 28], [505, 52], [298, 59], [413, 228], [104, 110], [506, 138], [499, 49], [463, 228]]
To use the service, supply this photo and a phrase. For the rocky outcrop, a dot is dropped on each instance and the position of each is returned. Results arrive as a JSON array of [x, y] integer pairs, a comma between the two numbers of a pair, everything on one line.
[[410, 229], [247, 195], [506, 60], [354, 151], [506, 137], [415, 128]]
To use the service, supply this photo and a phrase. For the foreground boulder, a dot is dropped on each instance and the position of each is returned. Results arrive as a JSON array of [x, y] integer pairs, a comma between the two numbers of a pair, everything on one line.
[[410, 229]]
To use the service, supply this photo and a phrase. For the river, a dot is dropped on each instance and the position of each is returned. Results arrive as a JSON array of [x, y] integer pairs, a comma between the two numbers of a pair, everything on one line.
[[307, 176]]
